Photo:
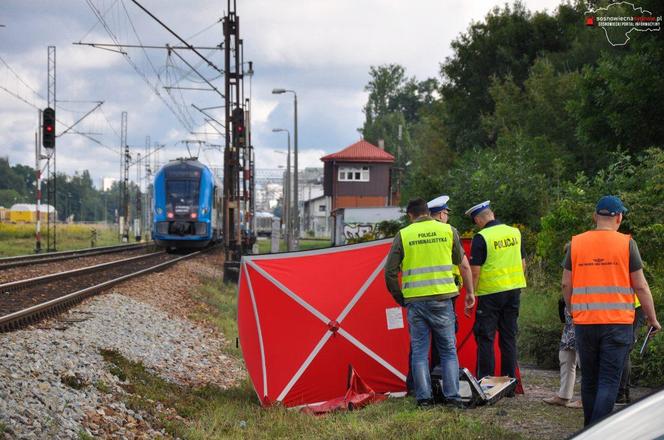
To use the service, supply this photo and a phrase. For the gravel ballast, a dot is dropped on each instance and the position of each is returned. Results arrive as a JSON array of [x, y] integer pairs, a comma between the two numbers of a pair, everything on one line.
[[53, 381]]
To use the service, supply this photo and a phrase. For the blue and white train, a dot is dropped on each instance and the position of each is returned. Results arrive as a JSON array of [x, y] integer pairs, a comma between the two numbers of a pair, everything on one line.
[[187, 205]]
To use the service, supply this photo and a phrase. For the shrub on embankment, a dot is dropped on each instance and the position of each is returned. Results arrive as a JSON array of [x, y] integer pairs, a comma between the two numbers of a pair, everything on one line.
[[639, 182]]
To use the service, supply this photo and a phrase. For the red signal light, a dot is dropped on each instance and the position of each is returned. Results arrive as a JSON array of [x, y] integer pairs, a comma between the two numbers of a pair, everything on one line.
[[48, 128], [194, 215], [169, 215]]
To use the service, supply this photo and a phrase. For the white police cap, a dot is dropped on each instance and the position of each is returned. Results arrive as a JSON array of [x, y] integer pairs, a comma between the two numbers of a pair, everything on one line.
[[438, 204], [472, 212]]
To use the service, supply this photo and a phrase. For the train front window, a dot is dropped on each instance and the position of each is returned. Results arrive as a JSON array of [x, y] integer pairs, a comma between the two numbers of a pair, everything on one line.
[[182, 194]]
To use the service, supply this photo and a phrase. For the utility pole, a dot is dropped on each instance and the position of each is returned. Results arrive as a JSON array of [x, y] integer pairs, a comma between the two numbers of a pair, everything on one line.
[[38, 183], [148, 178], [236, 155], [138, 228], [124, 192], [125, 195], [296, 186], [51, 217]]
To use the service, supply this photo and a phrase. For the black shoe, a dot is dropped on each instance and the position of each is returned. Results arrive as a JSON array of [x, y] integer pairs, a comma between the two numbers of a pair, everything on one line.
[[454, 403], [623, 399], [425, 403]]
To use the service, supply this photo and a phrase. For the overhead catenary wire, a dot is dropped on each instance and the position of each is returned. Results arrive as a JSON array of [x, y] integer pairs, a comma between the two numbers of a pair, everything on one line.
[[131, 62], [171, 74], [96, 23], [182, 108], [20, 78], [36, 107], [189, 46], [109, 123], [191, 37]]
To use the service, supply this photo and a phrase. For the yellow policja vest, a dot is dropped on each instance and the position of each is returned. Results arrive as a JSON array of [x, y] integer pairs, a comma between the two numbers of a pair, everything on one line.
[[426, 268], [502, 269]]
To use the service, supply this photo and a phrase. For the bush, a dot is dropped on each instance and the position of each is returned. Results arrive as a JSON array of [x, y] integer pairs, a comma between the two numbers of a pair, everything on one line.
[[539, 326], [506, 175], [567, 218], [648, 370], [539, 344]]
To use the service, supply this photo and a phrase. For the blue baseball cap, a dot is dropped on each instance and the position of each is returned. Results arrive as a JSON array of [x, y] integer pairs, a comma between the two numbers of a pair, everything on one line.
[[438, 204], [610, 206], [472, 212]]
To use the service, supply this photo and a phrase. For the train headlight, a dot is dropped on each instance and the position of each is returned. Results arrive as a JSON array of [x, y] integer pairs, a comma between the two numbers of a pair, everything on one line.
[[159, 211], [204, 210]]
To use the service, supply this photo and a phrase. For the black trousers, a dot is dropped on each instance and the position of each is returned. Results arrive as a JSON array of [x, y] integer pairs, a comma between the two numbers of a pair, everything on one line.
[[497, 312]]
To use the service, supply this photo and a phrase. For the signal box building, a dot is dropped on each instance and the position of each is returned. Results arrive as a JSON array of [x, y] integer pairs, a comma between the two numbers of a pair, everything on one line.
[[358, 176]]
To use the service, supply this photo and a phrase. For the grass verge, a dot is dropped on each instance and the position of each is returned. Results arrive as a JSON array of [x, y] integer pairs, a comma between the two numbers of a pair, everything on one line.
[[19, 239], [210, 412], [264, 246]]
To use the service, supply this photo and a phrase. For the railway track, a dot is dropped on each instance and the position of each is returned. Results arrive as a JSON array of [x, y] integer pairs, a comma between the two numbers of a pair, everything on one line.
[[25, 260], [26, 301]]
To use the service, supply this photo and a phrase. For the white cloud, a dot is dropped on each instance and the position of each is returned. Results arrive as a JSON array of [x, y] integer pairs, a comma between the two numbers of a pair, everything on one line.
[[321, 48], [276, 158]]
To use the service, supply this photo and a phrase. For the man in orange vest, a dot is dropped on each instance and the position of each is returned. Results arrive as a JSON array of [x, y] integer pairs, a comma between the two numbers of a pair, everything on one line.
[[602, 271]]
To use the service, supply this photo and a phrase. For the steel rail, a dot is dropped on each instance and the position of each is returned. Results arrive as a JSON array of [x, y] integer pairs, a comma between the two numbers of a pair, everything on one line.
[[31, 314], [24, 260], [20, 284]]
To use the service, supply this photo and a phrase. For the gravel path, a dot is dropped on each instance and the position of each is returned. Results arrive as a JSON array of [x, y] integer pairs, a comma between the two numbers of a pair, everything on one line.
[[528, 415], [53, 381]]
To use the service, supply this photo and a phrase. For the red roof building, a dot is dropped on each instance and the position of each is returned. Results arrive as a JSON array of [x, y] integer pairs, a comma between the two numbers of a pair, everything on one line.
[[361, 151], [358, 176]]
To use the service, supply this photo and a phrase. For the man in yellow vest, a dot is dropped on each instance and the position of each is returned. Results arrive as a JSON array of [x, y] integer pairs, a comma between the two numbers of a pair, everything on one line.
[[424, 252], [439, 210], [601, 272], [497, 262]]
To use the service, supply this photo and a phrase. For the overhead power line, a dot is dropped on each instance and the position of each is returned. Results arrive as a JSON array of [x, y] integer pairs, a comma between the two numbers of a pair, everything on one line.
[[20, 78], [189, 46], [155, 89]]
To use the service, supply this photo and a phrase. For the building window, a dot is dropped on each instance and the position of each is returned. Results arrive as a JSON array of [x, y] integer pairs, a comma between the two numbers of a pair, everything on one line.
[[321, 208], [354, 174]]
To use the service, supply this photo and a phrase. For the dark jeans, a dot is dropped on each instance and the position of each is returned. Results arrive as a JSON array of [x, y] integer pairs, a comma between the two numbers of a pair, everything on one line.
[[602, 349], [497, 311], [435, 357], [426, 318], [639, 319]]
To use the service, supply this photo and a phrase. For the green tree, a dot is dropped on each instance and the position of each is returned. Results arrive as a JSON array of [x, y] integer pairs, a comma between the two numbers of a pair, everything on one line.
[[8, 197], [616, 105], [8, 177], [505, 44], [393, 107]]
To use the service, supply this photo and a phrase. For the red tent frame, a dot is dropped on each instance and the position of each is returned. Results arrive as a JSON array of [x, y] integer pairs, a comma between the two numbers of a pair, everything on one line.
[[305, 317]]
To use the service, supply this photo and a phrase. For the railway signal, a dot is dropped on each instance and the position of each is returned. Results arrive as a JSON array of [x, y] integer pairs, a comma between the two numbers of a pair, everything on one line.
[[48, 128], [239, 132]]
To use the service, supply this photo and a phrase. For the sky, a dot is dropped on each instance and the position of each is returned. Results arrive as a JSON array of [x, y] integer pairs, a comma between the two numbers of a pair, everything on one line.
[[322, 49]]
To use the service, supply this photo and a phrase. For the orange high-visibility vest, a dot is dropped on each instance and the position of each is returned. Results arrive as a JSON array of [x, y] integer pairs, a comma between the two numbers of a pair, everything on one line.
[[601, 287]]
